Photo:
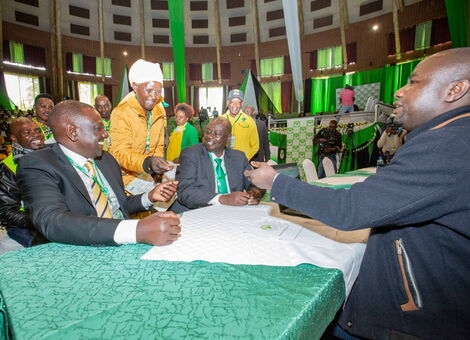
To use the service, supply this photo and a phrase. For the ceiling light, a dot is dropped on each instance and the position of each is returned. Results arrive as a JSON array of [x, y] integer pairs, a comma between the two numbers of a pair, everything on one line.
[[124, 53], [375, 27]]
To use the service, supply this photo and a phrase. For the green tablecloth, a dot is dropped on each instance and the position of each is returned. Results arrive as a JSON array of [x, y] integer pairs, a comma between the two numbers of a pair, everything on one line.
[[69, 292]]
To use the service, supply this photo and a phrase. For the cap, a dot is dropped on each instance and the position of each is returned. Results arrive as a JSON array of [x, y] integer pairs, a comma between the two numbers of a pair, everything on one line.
[[143, 71], [235, 94]]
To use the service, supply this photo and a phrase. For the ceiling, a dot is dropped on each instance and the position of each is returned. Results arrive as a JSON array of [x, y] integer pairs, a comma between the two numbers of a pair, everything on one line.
[[79, 18]]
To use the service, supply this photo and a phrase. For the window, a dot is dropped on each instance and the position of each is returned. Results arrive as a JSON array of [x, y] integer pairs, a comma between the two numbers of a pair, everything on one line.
[[273, 90], [423, 35], [77, 63], [168, 71], [272, 67], [329, 57], [107, 67], [88, 91], [22, 89], [211, 97], [207, 72]]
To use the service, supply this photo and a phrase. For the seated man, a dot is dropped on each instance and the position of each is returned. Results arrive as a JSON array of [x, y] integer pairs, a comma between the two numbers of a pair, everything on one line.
[[26, 137], [389, 142], [210, 173], [74, 190], [329, 144]]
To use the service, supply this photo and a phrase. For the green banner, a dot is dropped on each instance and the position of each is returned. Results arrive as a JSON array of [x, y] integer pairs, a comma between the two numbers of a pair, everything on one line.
[[457, 16], [176, 13]]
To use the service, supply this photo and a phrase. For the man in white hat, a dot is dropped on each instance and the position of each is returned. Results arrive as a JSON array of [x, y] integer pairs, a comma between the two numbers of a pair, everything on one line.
[[138, 124]]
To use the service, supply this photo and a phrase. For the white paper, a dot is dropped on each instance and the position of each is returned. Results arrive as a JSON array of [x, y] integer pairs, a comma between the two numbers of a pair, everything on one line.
[[342, 180], [139, 185]]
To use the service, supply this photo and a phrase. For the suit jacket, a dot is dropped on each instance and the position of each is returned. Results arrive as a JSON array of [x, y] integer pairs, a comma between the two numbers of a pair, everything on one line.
[[197, 180], [59, 202], [264, 153]]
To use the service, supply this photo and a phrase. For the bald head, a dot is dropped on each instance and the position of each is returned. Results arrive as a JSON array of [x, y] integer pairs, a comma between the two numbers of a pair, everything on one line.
[[438, 84], [249, 110], [26, 133], [216, 136], [103, 106]]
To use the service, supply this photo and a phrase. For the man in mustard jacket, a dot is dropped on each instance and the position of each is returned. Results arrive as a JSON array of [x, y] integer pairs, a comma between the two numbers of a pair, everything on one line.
[[138, 124], [244, 131]]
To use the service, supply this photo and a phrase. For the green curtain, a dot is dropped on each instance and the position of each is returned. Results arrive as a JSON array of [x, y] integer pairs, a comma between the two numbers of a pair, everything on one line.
[[266, 67], [77, 62], [423, 35], [278, 66], [273, 90], [337, 56], [391, 78], [457, 16], [16, 52], [95, 90], [176, 14], [107, 66], [323, 58], [168, 71], [362, 140], [207, 72]]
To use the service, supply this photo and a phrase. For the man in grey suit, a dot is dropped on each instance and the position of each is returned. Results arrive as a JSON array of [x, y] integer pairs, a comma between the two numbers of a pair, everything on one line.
[[211, 173], [74, 190], [264, 153]]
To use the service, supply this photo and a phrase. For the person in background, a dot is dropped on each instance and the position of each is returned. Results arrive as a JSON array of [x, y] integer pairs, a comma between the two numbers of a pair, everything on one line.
[[26, 137], [244, 133], [415, 273], [215, 113], [329, 144], [74, 190], [346, 98], [138, 124], [211, 173], [389, 142], [263, 154], [43, 105], [183, 135], [104, 107]]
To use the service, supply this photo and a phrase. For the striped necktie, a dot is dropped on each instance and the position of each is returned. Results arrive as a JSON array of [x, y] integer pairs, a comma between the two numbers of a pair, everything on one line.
[[100, 200]]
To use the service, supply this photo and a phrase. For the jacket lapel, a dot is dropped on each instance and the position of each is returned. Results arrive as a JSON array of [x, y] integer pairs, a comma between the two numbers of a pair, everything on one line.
[[208, 168], [71, 173], [231, 170]]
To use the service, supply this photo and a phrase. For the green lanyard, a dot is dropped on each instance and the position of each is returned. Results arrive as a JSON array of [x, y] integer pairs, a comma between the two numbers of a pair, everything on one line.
[[97, 181], [236, 120], [149, 125]]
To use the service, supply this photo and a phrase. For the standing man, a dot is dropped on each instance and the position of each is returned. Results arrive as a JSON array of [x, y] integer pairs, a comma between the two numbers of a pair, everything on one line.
[[43, 105], [244, 133], [138, 124], [210, 173], [74, 190], [26, 137], [346, 99], [415, 274], [104, 107], [264, 153]]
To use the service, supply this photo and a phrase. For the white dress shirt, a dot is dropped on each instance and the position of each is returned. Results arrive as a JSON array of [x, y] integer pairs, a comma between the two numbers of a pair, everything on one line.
[[213, 157], [126, 229]]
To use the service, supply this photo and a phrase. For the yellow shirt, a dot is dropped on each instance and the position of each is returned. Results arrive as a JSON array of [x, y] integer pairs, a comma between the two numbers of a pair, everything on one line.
[[245, 132]]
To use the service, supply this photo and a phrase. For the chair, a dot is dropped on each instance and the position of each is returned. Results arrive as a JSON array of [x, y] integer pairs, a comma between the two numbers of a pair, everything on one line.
[[328, 167], [309, 170], [271, 162]]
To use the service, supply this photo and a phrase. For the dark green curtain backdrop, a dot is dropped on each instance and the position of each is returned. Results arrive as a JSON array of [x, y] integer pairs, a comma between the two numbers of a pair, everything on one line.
[[176, 14], [391, 78], [457, 15]]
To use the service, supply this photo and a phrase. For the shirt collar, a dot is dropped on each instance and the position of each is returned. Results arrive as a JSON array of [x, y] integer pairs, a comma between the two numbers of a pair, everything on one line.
[[214, 156], [78, 159]]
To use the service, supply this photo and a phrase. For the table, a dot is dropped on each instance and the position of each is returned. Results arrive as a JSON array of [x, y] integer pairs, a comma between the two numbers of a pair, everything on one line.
[[57, 291], [345, 180]]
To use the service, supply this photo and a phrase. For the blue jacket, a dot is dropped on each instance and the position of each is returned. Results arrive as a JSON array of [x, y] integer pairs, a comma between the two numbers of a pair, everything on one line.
[[415, 275]]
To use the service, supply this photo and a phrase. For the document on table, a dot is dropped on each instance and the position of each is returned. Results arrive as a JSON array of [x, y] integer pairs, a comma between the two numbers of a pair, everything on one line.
[[248, 235]]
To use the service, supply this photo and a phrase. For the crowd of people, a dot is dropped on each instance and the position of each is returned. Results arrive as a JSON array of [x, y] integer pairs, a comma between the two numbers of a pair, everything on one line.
[[414, 275]]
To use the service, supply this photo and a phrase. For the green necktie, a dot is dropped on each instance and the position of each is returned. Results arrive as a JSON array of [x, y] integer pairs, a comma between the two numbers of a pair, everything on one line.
[[221, 182]]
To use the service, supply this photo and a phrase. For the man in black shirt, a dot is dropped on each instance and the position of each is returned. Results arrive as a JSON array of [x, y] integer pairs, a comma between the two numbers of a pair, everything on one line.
[[329, 144]]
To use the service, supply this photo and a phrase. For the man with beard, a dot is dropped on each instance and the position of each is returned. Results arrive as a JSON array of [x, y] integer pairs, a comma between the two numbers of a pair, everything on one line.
[[415, 274], [138, 124], [210, 173], [26, 137]]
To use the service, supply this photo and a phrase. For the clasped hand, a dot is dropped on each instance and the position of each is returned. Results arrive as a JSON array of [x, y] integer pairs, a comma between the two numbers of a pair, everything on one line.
[[163, 192], [159, 229], [238, 198]]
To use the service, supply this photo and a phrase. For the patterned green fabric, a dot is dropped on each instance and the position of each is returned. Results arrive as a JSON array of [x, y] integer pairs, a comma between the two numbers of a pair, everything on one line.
[[59, 291], [299, 139]]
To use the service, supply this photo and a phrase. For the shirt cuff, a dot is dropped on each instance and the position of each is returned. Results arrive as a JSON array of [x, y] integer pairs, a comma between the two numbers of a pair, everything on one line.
[[126, 232], [274, 180], [215, 200], [146, 203]]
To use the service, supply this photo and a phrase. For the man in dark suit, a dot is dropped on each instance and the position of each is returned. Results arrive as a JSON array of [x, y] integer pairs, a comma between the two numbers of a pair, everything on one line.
[[210, 173], [74, 190], [263, 154]]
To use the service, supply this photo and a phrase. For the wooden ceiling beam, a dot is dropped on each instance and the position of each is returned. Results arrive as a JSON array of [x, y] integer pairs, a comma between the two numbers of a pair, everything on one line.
[[396, 27], [256, 31], [218, 40], [344, 22]]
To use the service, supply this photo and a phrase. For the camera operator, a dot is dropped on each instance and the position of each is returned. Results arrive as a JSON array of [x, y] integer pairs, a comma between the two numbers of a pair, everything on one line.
[[329, 144], [389, 142]]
